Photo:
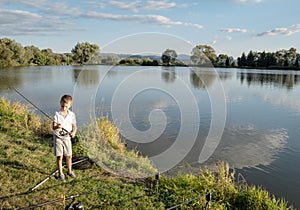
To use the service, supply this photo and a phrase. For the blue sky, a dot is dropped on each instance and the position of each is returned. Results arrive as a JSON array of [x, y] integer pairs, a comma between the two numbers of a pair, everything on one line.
[[229, 26]]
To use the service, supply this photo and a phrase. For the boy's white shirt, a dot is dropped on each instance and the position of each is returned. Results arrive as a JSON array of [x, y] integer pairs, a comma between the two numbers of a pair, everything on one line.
[[66, 122]]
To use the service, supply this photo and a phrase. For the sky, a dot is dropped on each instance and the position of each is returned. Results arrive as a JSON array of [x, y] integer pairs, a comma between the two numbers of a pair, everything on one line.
[[229, 26]]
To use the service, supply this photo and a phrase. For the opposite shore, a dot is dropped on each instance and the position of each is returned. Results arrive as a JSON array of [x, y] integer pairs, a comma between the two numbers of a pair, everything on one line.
[[14, 54]]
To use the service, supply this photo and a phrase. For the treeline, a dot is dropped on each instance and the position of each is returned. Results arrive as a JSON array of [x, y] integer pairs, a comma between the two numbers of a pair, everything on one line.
[[282, 59], [14, 54], [202, 55]]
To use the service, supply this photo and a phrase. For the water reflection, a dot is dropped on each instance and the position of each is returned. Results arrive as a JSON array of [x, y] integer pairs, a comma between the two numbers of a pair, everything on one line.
[[19, 76], [248, 146], [168, 74], [86, 77], [289, 100], [224, 75], [202, 78], [286, 80], [6, 81]]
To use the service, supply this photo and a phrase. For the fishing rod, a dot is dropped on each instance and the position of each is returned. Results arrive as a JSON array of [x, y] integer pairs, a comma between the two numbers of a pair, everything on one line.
[[41, 182], [64, 198], [50, 118], [52, 174], [77, 206]]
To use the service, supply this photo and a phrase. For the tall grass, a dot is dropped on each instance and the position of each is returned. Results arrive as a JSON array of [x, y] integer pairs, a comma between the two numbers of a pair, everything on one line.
[[17, 120], [225, 192], [100, 138]]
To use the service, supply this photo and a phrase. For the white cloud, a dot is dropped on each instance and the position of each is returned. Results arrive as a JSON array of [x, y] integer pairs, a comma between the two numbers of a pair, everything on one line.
[[60, 8], [19, 22], [29, 3], [232, 30], [246, 1], [8, 17], [158, 5], [281, 31], [140, 5], [153, 19], [44, 17], [125, 5], [44, 7]]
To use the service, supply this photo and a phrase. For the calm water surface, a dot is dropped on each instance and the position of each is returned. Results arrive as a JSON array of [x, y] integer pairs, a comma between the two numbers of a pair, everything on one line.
[[261, 134]]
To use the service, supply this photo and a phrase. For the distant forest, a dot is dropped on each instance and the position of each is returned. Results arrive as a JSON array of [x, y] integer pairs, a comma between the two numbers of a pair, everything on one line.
[[13, 53]]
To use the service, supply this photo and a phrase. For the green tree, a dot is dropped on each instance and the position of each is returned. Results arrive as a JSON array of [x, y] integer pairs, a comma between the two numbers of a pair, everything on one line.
[[291, 55], [51, 58], [286, 63], [169, 56], [40, 59], [11, 53], [280, 57], [227, 62], [36, 56], [221, 59], [224, 60], [296, 64], [242, 61], [83, 52], [28, 55], [5, 55], [203, 55], [262, 60], [271, 60], [251, 59]]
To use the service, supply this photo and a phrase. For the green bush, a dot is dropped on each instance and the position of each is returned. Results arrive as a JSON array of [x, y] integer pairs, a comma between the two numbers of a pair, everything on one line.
[[16, 120]]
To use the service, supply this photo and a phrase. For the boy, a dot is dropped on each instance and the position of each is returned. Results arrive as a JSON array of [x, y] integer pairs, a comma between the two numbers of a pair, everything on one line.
[[64, 128]]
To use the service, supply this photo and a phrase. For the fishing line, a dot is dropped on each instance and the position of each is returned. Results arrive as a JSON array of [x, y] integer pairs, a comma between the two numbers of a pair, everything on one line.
[[44, 113]]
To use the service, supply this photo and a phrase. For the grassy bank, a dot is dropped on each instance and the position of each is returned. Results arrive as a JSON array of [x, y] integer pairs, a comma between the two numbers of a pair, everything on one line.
[[26, 157]]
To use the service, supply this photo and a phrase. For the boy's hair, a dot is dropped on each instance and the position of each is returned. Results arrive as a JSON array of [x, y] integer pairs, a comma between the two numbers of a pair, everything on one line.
[[66, 98]]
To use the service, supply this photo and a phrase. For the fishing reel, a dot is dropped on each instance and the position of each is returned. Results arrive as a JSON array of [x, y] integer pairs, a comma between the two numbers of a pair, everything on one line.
[[74, 206], [62, 133]]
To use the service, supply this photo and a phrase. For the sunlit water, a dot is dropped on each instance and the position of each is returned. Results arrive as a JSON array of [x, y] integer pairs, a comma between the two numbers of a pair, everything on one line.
[[261, 134]]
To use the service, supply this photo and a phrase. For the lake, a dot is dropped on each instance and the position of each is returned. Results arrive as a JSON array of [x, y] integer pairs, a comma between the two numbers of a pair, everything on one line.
[[184, 118]]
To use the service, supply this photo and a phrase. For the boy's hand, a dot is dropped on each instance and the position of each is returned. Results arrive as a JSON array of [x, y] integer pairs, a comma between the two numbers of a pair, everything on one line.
[[56, 126], [59, 126], [72, 134]]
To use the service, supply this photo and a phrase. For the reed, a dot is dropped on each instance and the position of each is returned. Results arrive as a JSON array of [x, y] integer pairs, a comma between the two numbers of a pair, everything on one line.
[[100, 138]]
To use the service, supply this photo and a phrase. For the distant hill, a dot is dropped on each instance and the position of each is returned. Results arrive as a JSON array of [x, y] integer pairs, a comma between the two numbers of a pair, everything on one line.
[[183, 57], [180, 57]]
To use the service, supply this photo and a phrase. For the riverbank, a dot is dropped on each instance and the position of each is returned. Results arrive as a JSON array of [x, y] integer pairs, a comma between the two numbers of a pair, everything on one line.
[[26, 158]]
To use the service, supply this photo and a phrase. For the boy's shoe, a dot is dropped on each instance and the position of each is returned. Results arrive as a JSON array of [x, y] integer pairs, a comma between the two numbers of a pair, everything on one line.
[[71, 174], [61, 178]]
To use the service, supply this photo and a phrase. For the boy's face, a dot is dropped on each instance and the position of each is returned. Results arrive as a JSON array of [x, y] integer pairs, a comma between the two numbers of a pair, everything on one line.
[[65, 105]]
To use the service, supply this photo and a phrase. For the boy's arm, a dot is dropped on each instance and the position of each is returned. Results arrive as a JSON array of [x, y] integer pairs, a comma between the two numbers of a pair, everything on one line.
[[55, 124], [73, 132]]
